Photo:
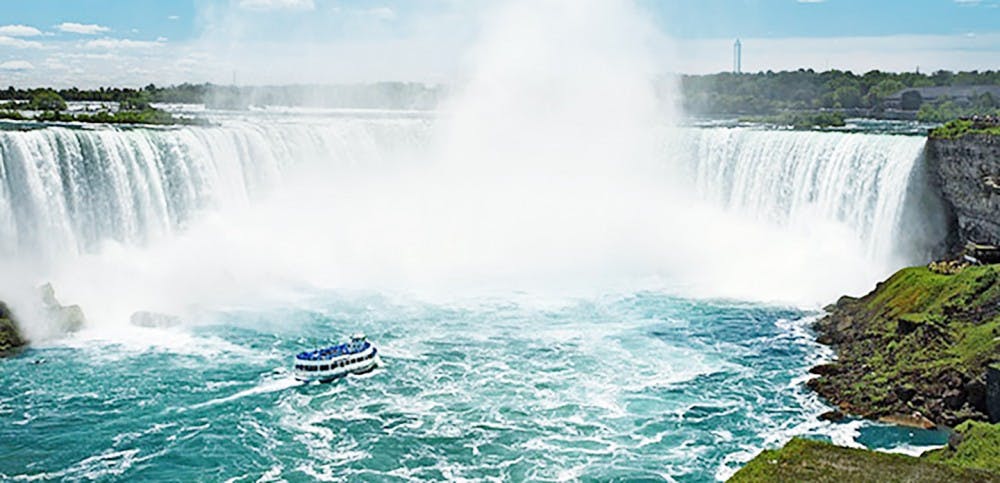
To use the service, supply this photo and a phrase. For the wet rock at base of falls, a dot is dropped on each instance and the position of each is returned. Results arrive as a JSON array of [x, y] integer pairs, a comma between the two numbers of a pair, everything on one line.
[[149, 319], [68, 318], [10, 336]]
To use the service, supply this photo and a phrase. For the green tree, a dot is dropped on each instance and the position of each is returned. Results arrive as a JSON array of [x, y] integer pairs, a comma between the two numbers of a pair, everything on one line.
[[47, 100], [136, 102], [883, 89], [847, 97]]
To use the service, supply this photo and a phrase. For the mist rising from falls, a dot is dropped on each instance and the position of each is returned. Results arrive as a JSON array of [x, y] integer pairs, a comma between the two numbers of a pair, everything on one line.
[[553, 169], [159, 219]]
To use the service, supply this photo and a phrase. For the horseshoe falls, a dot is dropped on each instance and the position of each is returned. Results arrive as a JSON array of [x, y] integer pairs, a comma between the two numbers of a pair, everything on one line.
[[555, 314]]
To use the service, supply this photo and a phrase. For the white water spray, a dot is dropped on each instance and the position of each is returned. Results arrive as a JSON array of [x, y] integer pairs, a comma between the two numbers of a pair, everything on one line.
[[553, 169]]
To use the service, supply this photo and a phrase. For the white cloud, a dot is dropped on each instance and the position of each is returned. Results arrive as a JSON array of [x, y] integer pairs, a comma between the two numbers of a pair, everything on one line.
[[968, 2], [16, 65], [381, 13], [109, 43], [19, 31], [18, 43], [278, 4], [82, 28], [173, 17]]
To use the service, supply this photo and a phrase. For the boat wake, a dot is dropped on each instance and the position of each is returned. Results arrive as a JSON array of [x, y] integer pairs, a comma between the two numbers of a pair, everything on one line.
[[272, 385]]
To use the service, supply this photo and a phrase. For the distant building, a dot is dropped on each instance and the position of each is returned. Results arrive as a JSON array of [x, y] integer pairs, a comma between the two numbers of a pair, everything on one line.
[[737, 57], [911, 98]]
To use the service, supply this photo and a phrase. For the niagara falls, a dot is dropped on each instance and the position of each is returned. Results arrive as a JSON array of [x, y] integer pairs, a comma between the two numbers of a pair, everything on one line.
[[508, 240]]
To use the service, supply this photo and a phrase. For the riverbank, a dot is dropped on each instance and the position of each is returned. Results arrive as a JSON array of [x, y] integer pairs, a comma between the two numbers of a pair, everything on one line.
[[921, 350]]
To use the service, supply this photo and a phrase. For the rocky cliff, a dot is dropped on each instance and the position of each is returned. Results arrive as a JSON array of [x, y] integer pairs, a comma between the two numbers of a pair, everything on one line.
[[965, 167], [10, 336], [916, 349]]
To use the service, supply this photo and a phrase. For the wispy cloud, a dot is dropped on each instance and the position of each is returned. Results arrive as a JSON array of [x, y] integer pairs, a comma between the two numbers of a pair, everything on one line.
[[17, 43], [16, 65], [113, 44], [304, 5], [82, 28], [173, 17], [19, 31], [381, 13]]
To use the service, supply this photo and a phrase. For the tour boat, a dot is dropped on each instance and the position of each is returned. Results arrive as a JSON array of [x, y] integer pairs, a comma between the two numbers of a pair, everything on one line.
[[355, 357]]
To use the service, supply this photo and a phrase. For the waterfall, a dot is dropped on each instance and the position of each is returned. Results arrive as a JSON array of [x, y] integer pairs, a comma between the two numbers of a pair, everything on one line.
[[804, 177], [384, 201], [65, 190]]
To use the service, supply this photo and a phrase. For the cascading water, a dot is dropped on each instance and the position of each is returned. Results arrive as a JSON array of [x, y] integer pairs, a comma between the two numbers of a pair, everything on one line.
[[803, 178], [365, 190], [66, 190]]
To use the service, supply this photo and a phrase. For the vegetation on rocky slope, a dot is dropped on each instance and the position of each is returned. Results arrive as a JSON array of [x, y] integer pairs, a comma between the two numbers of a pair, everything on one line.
[[961, 127], [804, 460], [977, 447], [920, 342]]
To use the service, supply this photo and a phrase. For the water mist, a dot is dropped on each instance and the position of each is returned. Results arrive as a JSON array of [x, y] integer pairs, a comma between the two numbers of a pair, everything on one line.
[[554, 169]]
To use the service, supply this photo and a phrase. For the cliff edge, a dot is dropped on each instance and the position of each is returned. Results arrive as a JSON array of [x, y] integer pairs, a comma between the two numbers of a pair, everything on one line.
[[964, 164]]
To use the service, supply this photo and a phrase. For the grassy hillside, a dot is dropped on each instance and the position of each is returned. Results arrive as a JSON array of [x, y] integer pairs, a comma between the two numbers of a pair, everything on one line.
[[804, 460], [920, 342]]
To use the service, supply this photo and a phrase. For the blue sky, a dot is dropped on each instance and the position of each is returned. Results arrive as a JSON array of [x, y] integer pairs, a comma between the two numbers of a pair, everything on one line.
[[97, 42]]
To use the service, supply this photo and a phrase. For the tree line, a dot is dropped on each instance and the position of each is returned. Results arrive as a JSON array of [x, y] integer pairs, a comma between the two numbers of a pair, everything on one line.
[[805, 89], [762, 93]]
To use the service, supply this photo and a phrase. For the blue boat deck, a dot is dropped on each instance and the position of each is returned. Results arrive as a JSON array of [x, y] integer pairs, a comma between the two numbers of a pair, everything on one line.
[[332, 352]]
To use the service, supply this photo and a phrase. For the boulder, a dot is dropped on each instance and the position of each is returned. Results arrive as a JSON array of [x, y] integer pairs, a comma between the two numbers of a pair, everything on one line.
[[993, 392], [953, 399], [905, 393], [975, 394], [68, 318], [832, 416]]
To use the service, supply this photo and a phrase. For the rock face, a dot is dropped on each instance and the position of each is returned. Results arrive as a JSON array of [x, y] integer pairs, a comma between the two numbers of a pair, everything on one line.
[[10, 335], [69, 318], [993, 393], [966, 171]]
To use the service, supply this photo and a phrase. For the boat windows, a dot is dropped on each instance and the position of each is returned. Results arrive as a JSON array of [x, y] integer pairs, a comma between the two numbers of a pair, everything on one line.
[[324, 368]]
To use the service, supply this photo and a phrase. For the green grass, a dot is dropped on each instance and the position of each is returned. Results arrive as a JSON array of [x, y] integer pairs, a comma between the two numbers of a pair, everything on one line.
[[803, 460], [949, 308], [961, 127], [980, 448]]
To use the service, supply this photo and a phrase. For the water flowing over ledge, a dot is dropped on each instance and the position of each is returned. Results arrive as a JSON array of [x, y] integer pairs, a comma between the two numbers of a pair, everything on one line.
[[738, 200]]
